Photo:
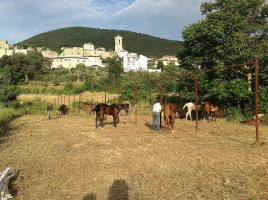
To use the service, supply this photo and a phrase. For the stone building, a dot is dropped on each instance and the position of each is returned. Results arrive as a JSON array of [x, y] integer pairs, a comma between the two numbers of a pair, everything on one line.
[[8, 50]]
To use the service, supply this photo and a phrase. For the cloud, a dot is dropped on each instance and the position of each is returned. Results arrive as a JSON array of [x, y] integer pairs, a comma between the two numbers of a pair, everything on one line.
[[164, 19], [21, 19]]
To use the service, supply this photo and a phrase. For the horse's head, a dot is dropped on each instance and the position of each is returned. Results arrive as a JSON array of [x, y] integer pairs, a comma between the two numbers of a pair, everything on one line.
[[126, 107]]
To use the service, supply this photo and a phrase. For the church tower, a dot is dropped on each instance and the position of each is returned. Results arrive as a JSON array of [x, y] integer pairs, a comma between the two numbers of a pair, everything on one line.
[[118, 44]]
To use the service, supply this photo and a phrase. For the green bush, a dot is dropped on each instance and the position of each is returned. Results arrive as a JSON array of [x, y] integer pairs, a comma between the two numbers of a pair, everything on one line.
[[36, 91], [36, 106], [236, 115], [25, 91], [56, 82], [264, 120], [6, 115]]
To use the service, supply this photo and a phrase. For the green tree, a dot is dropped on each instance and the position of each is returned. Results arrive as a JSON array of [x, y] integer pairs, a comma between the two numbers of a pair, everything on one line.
[[232, 32], [34, 62], [115, 69], [80, 70], [160, 65], [10, 69], [169, 85], [8, 96]]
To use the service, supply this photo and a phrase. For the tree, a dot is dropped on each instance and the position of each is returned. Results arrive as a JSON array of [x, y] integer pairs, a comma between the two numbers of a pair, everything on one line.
[[8, 96], [9, 75], [10, 69], [232, 32], [115, 69], [170, 84], [160, 65], [80, 68], [34, 62]]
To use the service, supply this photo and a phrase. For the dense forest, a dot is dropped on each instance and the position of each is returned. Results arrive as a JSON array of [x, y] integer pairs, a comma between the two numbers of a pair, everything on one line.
[[77, 36]]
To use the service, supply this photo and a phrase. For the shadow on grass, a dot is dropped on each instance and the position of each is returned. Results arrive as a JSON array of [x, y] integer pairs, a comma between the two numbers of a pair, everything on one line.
[[15, 127], [118, 191]]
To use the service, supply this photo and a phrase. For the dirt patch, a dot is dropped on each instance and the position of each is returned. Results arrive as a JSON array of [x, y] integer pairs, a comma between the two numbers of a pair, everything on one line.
[[67, 158]]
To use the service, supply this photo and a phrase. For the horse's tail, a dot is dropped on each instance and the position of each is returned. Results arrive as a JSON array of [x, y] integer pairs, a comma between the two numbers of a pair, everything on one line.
[[184, 105]]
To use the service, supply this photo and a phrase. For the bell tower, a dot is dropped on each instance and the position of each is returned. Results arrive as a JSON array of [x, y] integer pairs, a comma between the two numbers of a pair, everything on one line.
[[118, 44]]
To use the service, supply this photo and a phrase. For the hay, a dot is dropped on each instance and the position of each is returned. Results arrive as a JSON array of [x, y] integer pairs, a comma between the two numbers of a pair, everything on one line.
[[68, 158]]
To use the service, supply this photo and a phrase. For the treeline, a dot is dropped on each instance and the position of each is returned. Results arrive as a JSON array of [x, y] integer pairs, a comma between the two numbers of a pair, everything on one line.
[[77, 36]]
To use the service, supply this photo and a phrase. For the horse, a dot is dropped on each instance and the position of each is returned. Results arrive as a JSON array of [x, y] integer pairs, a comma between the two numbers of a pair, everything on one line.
[[123, 106], [89, 106], [190, 106], [63, 109], [169, 115], [207, 108], [104, 109]]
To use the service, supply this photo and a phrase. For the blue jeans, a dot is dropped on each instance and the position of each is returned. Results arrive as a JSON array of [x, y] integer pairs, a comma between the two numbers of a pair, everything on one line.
[[49, 114], [156, 118]]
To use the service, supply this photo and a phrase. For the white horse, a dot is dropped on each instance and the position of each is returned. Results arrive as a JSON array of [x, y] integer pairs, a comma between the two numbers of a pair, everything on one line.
[[190, 106]]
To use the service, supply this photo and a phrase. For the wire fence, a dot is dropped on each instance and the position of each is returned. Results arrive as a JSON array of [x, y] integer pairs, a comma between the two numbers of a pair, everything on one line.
[[74, 101]]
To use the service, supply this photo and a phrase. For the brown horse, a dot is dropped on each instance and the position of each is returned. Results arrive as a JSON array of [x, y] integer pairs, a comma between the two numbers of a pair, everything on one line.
[[207, 108], [169, 115], [104, 109], [63, 109], [123, 106], [89, 106]]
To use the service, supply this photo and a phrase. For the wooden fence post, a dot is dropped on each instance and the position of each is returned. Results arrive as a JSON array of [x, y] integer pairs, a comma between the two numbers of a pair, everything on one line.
[[196, 103], [256, 102], [136, 106]]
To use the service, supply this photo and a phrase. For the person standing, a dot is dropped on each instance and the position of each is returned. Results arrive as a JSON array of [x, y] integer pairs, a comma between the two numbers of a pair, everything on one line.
[[49, 110], [156, 115]]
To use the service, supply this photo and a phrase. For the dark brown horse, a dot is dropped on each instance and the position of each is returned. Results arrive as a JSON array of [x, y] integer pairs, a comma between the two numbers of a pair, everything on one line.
[[104, 109], [208, 108], [63, 109], [169, 115], [123, 106], [89, 106]]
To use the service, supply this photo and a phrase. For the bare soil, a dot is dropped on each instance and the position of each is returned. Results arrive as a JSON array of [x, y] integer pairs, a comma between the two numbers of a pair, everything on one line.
[[68, 158]]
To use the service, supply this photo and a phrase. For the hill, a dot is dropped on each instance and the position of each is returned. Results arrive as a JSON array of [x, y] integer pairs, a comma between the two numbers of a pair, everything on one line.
[[77, 36]]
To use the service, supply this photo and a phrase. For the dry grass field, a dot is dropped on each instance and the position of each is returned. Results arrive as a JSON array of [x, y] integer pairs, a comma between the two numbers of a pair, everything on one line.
[[67, 158], [85, 96]]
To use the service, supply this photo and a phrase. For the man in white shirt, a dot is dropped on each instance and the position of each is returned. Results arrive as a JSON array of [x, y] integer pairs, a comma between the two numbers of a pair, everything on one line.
[[156, 115]]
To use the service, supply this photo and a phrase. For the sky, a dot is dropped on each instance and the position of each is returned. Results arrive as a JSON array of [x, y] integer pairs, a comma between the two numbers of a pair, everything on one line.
[[22, 19]]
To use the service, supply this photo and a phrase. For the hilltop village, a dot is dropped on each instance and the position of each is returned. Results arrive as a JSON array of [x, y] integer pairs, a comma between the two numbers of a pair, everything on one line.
[[91, 56]]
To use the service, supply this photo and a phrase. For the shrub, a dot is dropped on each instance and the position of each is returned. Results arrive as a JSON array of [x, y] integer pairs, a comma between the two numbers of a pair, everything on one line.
[[236, 115], [56, 82], [36, 91], [6, 115], [264, 120]]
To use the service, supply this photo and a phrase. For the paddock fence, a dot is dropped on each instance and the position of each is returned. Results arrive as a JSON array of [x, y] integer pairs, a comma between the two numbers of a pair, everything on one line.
[[74, 101]]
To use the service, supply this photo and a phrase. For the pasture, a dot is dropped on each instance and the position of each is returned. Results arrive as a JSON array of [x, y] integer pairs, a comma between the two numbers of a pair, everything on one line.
[[68, 158]]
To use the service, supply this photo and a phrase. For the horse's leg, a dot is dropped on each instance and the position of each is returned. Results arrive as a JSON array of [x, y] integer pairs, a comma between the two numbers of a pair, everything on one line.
[[187, 115], [172, 124], [101, 120], [165, 122], [96, 122], [114, 119], [191, 115], [214, 116]]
